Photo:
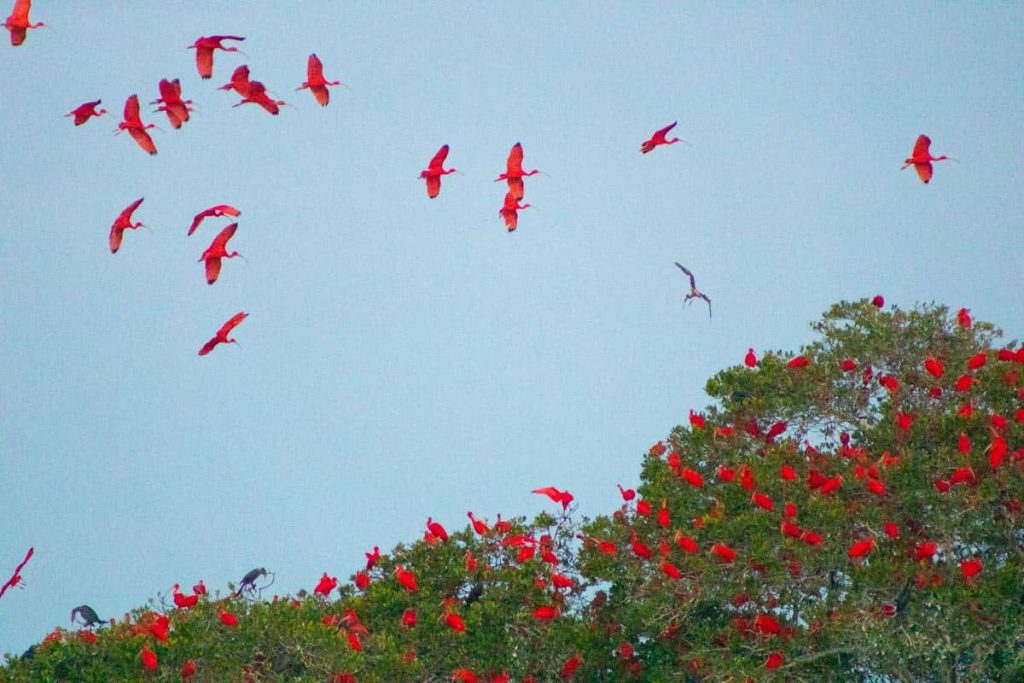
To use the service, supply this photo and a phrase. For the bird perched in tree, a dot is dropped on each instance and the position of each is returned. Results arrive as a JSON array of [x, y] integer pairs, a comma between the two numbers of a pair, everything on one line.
[[248, 582], [694, 292], [921, 159], [659, 139], [87, 615]]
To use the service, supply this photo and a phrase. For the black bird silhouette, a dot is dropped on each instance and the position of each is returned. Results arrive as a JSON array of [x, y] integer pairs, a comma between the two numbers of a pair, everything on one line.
[[694, 292]]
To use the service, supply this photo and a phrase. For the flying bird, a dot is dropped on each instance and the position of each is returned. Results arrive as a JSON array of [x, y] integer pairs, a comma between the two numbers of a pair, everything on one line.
[[922, 159], [84, 112], [509, 211], [694, 292], [216, 211], [204, 48], [222, 338], [176, 108], [434, 172], [133, 124], [87, 614], [16, 576], [514, 172], [563, 497], [123, 222], [659, 138], [316, 82], [239, 81], [217, 251], [257, 94], [18, 23]]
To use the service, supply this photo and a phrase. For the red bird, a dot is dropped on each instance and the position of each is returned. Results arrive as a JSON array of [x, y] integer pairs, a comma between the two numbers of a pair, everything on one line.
[[123, 222], [133, 124], [434, 172], [479, 526], [316, 82], [922, 159], [514, 172], [694, 292], [18, 23], [217, 251], [437, 529], [257, 94], [16, 576], [216, 211], [659, 139], [563, 497], [326, 585], [750, 360], [509, 211], [84, 112], [176, 108], [239, 81], [222, 334], [862, 548], [204, 48]]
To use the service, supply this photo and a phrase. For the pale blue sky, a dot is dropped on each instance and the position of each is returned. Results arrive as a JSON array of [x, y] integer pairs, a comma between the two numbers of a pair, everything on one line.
[[406, 357]]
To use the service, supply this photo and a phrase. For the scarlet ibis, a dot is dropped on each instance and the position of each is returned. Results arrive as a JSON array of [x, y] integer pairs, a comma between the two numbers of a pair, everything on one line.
[[133, 124], [435, 170], [239, 81], [215, 211], [16, 576], [694, 292], [123, 222], [316, 82], [437, 529], [659, 139], [563, 497], [18, 23], [204, 48], [84, 112], [750, 360], [176, 108], [217, 251], [257, 94], [509, 211], [514, 172], [921, 159], [222, 338], [87, 615]]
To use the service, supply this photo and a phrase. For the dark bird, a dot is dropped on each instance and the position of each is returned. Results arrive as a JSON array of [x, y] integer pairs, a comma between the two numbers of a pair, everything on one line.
[[248, 582], [88, 616], [694, 292]]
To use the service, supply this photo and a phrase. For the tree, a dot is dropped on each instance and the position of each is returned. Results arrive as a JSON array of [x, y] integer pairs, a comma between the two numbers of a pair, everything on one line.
[[851, 513]]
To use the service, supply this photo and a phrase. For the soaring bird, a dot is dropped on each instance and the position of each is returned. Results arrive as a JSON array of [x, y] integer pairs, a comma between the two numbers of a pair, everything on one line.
[[434, 172], [204, 48], [217, 251], [922, 159], [133, 124], [509, 211], [316, 82], [514, 172], [176, 108], [659, 139], [123, 222], [87, 614], [216, 211], [239, 81], [257, 94], [222, 338], [694, 292], [563, 497], [84, 112], [16, 579], [18, 23]]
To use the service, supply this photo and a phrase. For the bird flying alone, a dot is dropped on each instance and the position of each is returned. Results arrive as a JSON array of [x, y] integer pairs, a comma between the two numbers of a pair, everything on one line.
[[123, 222], [435, 170], [514, 172], [133, 124], [222, 334], [217, 251], [216, 211], [316, 82], [18, 23], [84, 112], [921, 159], [659, 138], [694, 292], [204, 48]]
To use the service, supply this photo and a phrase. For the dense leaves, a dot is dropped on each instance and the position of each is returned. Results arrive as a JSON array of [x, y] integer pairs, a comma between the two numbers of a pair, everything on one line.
[[851, 512]]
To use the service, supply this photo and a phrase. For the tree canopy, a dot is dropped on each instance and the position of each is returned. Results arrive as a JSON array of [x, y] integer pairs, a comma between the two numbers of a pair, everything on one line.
[[851, 512]]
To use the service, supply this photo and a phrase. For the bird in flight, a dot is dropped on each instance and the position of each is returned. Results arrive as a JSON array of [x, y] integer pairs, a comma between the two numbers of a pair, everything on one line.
[[216, 211], [16, 579], [176, 108], [514, 172], [204, 48], [123, 222], [316, 82], [222, 338], [510, 211], [133, 124], [217, 251], [239, 81], [563, 497], [922, 159], [257, 94], [18, 23], [659, 138], [434, 172], [694, 292], [84, 112]]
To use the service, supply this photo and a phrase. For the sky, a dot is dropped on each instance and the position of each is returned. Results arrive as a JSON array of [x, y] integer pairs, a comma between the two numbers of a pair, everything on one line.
[[407, 357]]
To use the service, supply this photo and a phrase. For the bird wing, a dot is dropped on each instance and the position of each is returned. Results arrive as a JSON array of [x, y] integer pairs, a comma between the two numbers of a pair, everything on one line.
[[511, 219], [20, 11], [172, 116], [18, 34], [208, 346], [693, 282], [433, 185], [438, 159], [268, 104], [131, 108], [515, 187], [167, 91], [322, 94], [549, 491], [228, 210], [142, 137], [314, 69], [130, 209], [705, 297], [115, 239], [226, 328], [664, 131], [924, 171], [514, 165], [204, 61], [221, 240], [212, 270], [198, 218], [921, 148]]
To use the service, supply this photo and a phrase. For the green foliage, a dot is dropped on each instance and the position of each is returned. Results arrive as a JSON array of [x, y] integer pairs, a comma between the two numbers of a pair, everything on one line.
[[926, 469]]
